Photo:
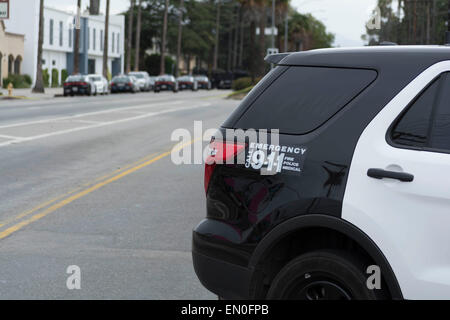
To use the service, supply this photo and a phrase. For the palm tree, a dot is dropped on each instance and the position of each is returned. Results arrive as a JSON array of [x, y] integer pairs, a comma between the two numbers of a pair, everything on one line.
[[106, 45], [76, 54], [180, 28], [262, 37], [130, 35], [39, 85], [94, 7], [163, 41], [138, 38]]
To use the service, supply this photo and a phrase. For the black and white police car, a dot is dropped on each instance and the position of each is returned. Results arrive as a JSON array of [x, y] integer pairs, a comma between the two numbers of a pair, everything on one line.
[[361, 186]]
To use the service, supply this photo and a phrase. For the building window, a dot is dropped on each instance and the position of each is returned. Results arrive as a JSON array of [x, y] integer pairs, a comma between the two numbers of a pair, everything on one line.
[[10, 64], [113, 40], [17, 65], [101, 40], [53, 62], [60, 33], [70, 37], [95, 38], [118, 42], [89, 38], [51, 31]]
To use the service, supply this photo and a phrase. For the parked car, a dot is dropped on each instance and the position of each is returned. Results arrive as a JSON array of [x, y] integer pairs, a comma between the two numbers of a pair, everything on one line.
[[79, 85], [203, 82], [152, 82], [351, 200], [166, 82], [100, 83], [124, 84], [143, 80], [224, 80], [187, 82]]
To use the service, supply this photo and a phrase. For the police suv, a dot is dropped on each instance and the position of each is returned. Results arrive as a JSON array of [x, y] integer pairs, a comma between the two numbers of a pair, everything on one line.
[[352, 201]]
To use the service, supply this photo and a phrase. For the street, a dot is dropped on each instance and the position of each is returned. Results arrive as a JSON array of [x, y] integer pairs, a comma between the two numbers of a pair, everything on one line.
[[88, 181]]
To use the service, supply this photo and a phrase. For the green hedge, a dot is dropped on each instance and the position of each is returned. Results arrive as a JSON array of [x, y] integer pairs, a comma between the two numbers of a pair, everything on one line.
[[18, 80], [242, 83], [46, 77], [55, 78], [64, 75]]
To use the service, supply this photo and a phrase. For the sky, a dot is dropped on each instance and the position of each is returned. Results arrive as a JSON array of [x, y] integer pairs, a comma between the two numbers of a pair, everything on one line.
[[345, 18]]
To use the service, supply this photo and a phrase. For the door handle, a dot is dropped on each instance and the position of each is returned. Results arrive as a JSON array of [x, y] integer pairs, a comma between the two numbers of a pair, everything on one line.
[[380, 174]]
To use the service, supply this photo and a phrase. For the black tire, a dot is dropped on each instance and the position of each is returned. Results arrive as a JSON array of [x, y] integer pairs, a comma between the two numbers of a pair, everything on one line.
[[323, 275]]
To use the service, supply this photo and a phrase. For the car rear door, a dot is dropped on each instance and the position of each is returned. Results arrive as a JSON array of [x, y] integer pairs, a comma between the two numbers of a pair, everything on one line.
[[398, 191]]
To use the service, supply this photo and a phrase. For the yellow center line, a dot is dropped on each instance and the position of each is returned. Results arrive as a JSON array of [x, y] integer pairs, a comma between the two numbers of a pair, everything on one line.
[[47, 203], [85, 192]]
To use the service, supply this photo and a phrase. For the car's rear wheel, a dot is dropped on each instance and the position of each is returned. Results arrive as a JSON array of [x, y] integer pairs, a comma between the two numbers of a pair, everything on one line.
[[323, 275]]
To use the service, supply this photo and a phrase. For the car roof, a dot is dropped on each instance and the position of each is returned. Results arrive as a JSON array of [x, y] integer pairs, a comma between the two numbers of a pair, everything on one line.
[[371, 57]]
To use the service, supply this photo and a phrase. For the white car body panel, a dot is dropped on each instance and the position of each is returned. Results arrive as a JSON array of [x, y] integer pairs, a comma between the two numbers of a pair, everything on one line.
[[408, 221]]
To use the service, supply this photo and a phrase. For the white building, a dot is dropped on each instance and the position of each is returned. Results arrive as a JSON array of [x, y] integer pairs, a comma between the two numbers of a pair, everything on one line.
[[59, 36]]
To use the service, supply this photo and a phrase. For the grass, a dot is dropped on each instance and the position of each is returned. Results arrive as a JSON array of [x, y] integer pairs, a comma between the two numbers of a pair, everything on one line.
[[240, 94]]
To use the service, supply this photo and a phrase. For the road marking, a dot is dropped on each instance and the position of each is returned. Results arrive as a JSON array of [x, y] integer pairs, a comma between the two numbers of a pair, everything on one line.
[[47, 203], [98, 125], [8, 137], [87, 114], [7, 232]]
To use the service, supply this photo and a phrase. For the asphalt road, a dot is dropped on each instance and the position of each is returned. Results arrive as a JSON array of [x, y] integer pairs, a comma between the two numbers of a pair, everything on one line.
[[89, 181]]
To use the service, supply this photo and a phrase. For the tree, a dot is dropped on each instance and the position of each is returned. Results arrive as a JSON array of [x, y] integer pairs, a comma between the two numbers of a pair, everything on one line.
[[411, 22], [180, 29], [262, 37], [94, 7], [163, 39], [106, 44], [76, 53], [130, 35], [216, 40], [39, 85], [138, 37]]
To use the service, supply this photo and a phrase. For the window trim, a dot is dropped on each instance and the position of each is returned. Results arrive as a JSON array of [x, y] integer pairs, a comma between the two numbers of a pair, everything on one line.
[[388, 135]]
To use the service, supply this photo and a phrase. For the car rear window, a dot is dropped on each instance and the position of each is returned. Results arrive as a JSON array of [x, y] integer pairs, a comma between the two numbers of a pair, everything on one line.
[[75, 78], [121, 79], [303, 98]]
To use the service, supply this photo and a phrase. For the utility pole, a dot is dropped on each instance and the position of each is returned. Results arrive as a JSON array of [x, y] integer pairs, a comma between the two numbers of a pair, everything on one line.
[[76, 54], [273, 23], [163, 40], [180, 30], [216, 40], [105, 41], [130, 35], [138, 37], [286, 32]]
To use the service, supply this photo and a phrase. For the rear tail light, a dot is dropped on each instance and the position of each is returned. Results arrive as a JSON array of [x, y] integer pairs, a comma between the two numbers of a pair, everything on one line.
[[220, 152], [130, 84], [83, 84]]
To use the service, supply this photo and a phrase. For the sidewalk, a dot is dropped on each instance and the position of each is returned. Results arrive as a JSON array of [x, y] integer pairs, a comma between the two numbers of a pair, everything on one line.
[[27, 94]]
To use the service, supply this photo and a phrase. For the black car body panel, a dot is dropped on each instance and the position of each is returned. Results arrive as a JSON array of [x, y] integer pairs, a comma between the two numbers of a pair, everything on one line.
[[244, 207], [78, 85], [121, 84]]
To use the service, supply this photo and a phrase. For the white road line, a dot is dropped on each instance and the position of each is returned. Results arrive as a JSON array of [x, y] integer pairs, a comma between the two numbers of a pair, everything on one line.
[[8, 137], [98, 125], [89, 114], [87, 121]]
